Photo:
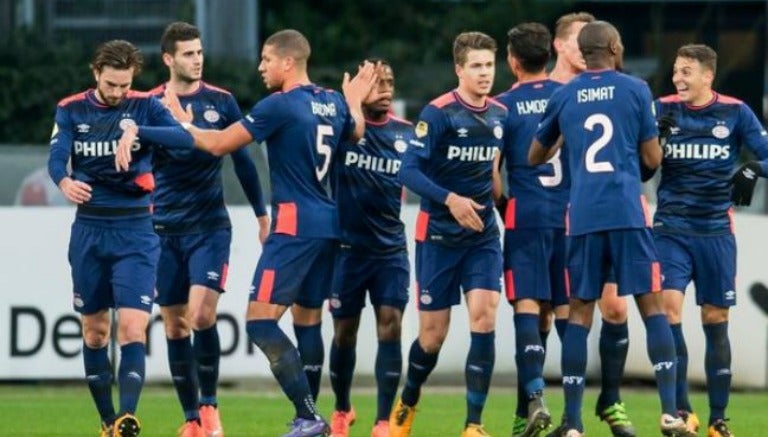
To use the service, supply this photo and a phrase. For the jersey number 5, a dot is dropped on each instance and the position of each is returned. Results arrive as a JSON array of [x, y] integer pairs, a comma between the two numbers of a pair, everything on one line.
[[323, 131], [607, 125]]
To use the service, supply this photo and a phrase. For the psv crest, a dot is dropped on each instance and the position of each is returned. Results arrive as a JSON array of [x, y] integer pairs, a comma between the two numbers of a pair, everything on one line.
[[720, 132], [211, 116]]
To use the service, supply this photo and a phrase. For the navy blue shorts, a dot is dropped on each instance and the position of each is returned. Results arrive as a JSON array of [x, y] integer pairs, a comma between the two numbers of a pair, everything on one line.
[[193, 259], [294, 270], [386, 279], [708, 261], [442, 272], [113, 264], [534, 265], [630, 252]]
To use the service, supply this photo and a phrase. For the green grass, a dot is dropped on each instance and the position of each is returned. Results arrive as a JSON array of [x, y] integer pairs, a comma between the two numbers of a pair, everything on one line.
[[68, 411]]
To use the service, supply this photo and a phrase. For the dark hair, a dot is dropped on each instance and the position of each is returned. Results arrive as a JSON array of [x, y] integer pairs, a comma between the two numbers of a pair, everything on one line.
[[290, 42], [706, 56], [175, 32], [467, 41], [595, 39], [563, 24], [530, 44], [118, 54]]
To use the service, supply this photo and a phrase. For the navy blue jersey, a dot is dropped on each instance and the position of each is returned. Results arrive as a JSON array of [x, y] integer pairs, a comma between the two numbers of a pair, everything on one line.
[[189, 196], [694, 195], [87, 132], [540, 192], [368, 191], [302, 128], [455, 147], [603, 117]]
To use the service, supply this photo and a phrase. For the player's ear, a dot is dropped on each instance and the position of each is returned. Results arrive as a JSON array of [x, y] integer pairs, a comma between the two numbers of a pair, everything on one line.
[[96, 74], [167, 59]]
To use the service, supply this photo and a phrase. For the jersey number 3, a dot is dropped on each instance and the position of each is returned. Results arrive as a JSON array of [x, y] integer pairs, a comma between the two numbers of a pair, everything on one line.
[[607, 125], [324, 150]]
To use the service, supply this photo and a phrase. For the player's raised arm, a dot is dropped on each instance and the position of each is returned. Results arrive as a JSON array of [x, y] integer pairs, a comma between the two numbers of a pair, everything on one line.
[[355, 91]]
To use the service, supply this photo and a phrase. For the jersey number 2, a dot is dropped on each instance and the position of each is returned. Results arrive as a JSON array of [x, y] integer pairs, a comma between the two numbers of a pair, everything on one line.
[[323, 131], [607, 125]]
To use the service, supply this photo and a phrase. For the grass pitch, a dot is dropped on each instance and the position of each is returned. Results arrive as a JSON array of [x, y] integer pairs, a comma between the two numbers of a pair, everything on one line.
[[69, 411]]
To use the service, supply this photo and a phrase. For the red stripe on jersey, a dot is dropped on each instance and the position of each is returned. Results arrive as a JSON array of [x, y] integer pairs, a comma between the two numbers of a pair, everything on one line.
[[286, 219], [728, 100], [672, 98], [444, 100], [266, 285], [158, 90], [401, 120], [568, 219], [215, 88], [655, 277], [509, 214], [567, 283], [418, 296], [493, 101], [646, 211], [224, 273], [422, 224], [146, 181], [73, 98], [137, 94], [509, 284], [731, 221]]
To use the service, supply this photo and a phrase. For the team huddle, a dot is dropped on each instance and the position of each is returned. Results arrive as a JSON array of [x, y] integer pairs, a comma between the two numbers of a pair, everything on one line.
[[561, 156]]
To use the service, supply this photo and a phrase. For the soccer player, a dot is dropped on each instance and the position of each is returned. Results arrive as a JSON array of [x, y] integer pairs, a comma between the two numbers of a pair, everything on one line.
[[195, 232], [534, 218], [113, 250], [373, 254], [605, 118], [450, 165], [302, 125], [614, 333], [693, 225]]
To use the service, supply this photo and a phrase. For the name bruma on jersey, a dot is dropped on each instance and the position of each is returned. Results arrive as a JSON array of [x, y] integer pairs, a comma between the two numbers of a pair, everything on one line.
[[475, 153], [527, 107], [372, 163], [697, 151], [324, 109], [100, 148], [586, 95]]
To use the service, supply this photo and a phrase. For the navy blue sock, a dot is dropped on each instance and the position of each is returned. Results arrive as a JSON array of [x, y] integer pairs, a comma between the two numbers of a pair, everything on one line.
[[182, 363], [342, 367], [130, 375], [574, 366], [614, 345], [309, 340], [389, 366], [717, 364], [521, 410], [661, 351], [98, 373], [478, 372], [531, 352], [207, 354], [420, 365], [285, 363], [681, 350], [560, 325]]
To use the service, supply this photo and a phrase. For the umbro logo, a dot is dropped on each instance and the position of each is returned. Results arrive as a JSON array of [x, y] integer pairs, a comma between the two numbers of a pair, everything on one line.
[[462, 132], [212, 275], [146, 300], [83, 128]]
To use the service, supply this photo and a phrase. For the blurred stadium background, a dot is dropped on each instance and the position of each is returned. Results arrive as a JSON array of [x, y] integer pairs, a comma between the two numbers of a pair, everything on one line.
[[45, 46]]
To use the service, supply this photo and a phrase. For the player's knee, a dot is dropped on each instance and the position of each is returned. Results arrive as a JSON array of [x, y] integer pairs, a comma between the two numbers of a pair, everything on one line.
[[345, 338], [133, 333], [388, 324], [96, 339], [200, 319], [615, 314], [711, 314]]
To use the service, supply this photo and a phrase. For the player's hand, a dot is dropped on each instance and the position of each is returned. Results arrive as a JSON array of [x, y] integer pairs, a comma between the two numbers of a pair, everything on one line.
[[171, 101], [666, 123], [357, 88], [75, 191], [744, 181], [501, 207], [464, 210], [264, 223], [124, 145]]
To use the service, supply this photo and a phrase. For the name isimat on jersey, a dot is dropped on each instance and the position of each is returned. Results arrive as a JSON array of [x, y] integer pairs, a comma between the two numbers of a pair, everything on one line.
[[531, 106], [476, 153], [100, 148], [372, 163], [324, 109], [594, 94], [697, 151]]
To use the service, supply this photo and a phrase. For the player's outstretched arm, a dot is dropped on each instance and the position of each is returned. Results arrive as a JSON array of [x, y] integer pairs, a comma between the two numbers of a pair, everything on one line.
[[356, 89], [650, 153], [538, 154]]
